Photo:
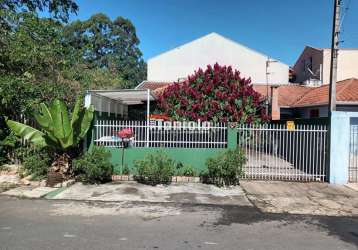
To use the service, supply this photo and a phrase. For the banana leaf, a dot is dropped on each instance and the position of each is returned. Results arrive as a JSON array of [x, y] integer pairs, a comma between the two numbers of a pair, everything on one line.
[[28, 133]]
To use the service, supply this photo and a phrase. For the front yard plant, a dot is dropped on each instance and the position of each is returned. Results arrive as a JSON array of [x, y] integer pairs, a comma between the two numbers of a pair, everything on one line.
[[185, 170], [217, 94], [94, 166], [36, 162], [156, 168], [226, 168], [58, 132]]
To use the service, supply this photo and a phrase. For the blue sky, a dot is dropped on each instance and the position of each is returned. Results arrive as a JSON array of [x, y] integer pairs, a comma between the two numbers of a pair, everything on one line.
[[278, 28]]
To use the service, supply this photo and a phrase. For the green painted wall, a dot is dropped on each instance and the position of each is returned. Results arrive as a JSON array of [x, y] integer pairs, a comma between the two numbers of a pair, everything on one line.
[[195, 157]]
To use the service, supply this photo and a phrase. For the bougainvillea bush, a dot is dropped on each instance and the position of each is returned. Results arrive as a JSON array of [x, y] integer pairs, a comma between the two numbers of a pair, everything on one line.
[[218, 94]]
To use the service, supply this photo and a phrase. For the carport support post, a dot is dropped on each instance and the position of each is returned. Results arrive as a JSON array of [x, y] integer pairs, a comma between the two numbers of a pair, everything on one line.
[[148, 116]]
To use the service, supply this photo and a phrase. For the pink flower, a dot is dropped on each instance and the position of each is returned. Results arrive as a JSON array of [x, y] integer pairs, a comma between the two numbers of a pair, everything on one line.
[[125, 133]]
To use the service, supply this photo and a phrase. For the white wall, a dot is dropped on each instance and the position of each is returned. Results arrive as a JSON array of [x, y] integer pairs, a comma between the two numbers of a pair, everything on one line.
[[347, 64], [184, 60]]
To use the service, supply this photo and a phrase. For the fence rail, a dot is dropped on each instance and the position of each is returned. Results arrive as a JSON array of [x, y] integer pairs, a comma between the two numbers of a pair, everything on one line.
[[274, 152], [162, 134]]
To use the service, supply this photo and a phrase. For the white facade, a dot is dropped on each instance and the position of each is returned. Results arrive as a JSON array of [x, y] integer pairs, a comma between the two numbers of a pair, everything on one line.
[[182, 61]]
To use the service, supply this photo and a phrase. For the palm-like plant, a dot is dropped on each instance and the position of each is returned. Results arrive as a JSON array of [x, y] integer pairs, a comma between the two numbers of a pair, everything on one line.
[[57, 130]]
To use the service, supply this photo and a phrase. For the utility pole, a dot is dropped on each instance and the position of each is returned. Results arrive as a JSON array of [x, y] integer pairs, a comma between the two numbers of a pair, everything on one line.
[[267, 92], [268, 61], [334, 56], [333, 78]]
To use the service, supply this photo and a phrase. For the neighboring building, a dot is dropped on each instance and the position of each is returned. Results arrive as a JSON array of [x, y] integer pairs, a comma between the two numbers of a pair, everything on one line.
[[313, 65], [178, 63], [297, 101]]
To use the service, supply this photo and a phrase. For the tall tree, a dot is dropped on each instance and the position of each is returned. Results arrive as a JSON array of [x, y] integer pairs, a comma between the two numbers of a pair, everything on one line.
[[59, 8], [34, 47], [109, 44]]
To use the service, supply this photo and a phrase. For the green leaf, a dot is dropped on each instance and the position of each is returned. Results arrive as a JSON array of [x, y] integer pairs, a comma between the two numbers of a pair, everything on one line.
[[76, 110], [28, 133], [62, 126], [238, 102], [83, 123], [44, 118]]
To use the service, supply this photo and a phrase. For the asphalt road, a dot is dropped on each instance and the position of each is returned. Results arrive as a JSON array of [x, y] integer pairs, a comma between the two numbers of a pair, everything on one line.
[[44, 224]]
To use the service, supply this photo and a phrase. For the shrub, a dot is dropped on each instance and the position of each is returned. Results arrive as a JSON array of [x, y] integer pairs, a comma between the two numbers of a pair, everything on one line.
[[185, 170], [126, 170], [226, 168], [35, 162], [155, 168], [94, 166], [218, 94]]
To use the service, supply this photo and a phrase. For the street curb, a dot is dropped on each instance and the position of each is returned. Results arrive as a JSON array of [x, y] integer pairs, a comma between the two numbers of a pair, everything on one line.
[[52, 194]]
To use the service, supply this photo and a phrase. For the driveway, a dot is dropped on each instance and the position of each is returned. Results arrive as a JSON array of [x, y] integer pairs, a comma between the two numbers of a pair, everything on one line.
[[302, 198]]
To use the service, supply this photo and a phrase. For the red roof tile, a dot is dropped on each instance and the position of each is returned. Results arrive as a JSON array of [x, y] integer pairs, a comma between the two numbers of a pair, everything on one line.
[[347, 91], [291, 95], [152, 85], [287, 94]]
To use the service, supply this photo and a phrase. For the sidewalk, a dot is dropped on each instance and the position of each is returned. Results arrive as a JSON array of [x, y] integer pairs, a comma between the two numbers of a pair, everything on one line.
[[302, 198], [191, 193], [267, 196]]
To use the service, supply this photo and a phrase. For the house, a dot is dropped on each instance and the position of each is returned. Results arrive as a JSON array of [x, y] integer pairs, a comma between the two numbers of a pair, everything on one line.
[[298, 101], [178, 63], [313, 65]]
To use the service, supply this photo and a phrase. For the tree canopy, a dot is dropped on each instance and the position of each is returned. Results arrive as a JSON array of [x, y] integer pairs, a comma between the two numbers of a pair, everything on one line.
[[113, 45], [59, 8], [218, 94], [42, 59]]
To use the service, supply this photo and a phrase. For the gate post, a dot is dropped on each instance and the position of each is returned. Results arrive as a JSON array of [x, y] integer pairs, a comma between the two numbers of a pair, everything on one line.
[[339, 147]]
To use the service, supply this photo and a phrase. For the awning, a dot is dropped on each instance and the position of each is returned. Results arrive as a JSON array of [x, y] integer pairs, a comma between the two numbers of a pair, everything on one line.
[[125, 96]]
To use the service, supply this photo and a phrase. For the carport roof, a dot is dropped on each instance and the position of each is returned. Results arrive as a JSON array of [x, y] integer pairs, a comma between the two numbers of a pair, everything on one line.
[[125, 96]]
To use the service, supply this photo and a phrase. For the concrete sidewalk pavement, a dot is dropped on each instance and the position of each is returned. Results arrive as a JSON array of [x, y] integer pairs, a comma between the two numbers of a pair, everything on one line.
[[193, 193], [302, 198]]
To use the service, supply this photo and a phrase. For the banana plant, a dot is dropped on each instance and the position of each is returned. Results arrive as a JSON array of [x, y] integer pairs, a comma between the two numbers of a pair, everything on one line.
[[57, 130]]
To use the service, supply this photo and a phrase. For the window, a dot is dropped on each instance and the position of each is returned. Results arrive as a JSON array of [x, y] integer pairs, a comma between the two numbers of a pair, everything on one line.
[[314, 113]]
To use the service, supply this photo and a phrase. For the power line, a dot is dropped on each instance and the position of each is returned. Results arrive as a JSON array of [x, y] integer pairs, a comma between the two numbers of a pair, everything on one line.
[[344, 14]]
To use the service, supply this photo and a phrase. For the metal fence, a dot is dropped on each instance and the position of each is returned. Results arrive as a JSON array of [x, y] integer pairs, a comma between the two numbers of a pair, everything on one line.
[[170, 134], [274, 152], [353, 154]]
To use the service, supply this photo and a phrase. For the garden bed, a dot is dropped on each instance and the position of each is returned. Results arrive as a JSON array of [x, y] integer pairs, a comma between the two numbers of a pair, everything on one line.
[[177, 179]]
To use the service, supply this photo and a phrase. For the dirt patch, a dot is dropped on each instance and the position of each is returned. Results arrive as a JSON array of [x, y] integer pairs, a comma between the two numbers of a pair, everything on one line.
[[129, 190], [182, 197]]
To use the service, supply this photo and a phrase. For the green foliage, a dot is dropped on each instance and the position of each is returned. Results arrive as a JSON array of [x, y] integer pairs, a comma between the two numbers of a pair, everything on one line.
[[94, 166], [226, 168], [60, 9], [126, 170], [217, 94], [156, 168], [59, 131], [103, 43], [36, 163], [185, 170]]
